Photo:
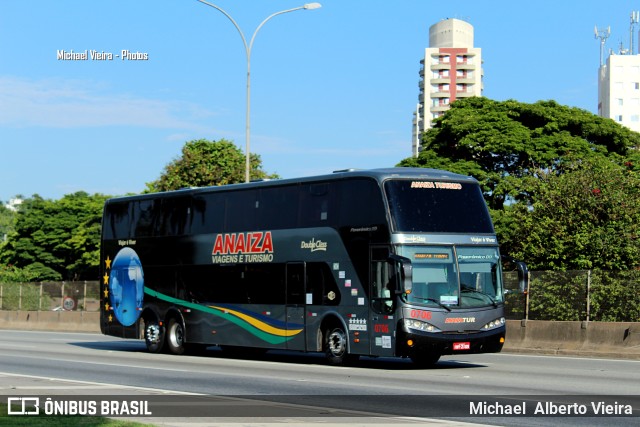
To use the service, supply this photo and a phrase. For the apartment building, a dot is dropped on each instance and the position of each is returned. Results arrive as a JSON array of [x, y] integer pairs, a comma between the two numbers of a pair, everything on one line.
[[619, 90], [451, 69]]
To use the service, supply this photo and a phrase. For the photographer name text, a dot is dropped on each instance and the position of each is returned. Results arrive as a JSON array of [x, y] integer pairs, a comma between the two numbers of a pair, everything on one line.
[[549, 409], [100, 55]]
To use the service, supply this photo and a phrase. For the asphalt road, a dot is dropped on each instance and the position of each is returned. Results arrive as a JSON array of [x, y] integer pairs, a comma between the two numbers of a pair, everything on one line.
[[305, 389]]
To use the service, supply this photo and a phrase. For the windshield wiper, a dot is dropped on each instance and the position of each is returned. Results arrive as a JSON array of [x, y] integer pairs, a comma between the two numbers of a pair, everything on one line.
[[475, 291], [434, 301]]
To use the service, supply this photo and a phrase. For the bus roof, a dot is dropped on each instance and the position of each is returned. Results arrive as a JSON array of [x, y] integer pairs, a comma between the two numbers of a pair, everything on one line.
[[378, 174]]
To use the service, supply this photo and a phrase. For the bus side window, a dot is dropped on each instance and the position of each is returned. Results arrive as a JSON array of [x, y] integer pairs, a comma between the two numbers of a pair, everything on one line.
[[315, 206], [278, 208], [143, 217], [321, 286], [118, 223], [315, 281], [382, 287], [208, 213], [295, 283], [331, 293], [265, 283], [241, 210]]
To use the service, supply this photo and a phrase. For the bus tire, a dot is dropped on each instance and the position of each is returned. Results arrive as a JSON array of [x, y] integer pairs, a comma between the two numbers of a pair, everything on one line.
[[175, 337], [336, 345], [153, 335]]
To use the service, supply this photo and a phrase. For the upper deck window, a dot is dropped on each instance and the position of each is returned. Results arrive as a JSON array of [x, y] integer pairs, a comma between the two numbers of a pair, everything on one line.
[[424, 206]]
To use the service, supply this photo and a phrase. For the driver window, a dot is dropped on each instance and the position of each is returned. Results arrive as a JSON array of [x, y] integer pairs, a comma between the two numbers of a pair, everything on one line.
[[434, 282]]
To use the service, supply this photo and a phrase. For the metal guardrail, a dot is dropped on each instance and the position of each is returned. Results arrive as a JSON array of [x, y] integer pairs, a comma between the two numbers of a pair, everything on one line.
[[580, 295], [50, 296], [591, 295]]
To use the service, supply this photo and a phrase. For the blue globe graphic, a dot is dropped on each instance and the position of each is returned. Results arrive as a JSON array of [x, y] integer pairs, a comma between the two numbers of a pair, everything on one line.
[[126, 286]]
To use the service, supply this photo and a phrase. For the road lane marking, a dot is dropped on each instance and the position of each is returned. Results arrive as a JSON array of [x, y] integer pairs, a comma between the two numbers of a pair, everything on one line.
[[5, 345], [96, 363], [100, 384]]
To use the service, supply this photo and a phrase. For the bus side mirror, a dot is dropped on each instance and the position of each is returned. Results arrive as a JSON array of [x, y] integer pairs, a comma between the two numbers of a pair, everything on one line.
[[404, 271], [523, 273], [523, 276]]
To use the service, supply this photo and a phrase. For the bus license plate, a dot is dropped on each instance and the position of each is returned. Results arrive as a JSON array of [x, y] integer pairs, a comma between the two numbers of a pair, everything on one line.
[[462, 346]]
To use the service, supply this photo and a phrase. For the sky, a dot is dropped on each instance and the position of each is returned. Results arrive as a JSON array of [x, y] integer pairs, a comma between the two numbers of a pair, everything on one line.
[[331, 88]]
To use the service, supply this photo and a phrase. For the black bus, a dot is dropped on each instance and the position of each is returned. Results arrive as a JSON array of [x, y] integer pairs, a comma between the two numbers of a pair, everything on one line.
[[389, 262]]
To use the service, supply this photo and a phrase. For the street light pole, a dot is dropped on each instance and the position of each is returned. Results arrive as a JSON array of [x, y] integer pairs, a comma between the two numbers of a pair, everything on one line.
[[247, 48]]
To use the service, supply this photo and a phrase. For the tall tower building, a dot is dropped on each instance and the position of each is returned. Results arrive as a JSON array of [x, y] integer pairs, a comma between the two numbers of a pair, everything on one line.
[[619, 80], [619, 90], [451, 69]]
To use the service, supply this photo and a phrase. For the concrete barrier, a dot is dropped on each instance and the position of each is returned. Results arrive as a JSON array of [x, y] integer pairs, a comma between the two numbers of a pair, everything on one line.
[[592, 339], [68, 321], [598, 339]]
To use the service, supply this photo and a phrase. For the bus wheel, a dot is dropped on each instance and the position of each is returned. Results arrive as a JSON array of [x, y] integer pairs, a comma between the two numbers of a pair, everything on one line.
[[153, 335], [175, 337], [335, 346], [425, 360]]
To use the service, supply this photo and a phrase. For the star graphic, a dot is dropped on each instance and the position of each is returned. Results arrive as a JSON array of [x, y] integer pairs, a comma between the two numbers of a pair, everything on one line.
[[106, 306], [110, 318], [106, 292], [105, 279], [108, 262]]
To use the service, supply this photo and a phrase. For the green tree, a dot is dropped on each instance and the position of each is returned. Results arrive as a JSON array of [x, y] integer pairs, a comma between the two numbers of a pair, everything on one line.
[[586, 215], [500, 142], [7, 220], [13, 274], [56, 240], [558, 295], [206, 163], [615, 296], [563, 188]]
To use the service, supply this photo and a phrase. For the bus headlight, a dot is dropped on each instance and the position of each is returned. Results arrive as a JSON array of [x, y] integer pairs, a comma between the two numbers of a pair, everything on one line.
[[494, 324], [421, 326]]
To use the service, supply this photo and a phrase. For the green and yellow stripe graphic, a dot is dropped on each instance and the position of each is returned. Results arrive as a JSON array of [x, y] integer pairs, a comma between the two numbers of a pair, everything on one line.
[[269, 330]]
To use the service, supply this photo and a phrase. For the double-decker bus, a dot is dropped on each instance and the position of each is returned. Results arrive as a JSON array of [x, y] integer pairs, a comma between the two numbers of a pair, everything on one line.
[[389, 262]]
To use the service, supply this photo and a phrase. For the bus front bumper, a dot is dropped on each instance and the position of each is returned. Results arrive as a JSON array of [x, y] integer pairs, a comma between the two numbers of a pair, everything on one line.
[[415, 342]]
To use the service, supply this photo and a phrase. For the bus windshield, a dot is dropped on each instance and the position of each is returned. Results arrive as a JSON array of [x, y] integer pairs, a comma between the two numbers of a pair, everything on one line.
[[437, 207], [458, 276]]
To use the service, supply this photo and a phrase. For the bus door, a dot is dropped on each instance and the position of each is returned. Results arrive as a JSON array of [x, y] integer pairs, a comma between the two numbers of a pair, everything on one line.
[[382, 319], [295, 306]]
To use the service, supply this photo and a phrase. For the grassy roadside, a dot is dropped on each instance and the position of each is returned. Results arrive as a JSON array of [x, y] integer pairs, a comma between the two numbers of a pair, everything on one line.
[[61, 420]]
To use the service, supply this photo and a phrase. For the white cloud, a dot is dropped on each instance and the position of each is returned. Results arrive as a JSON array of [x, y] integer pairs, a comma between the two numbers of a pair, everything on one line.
[[61, 103]]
